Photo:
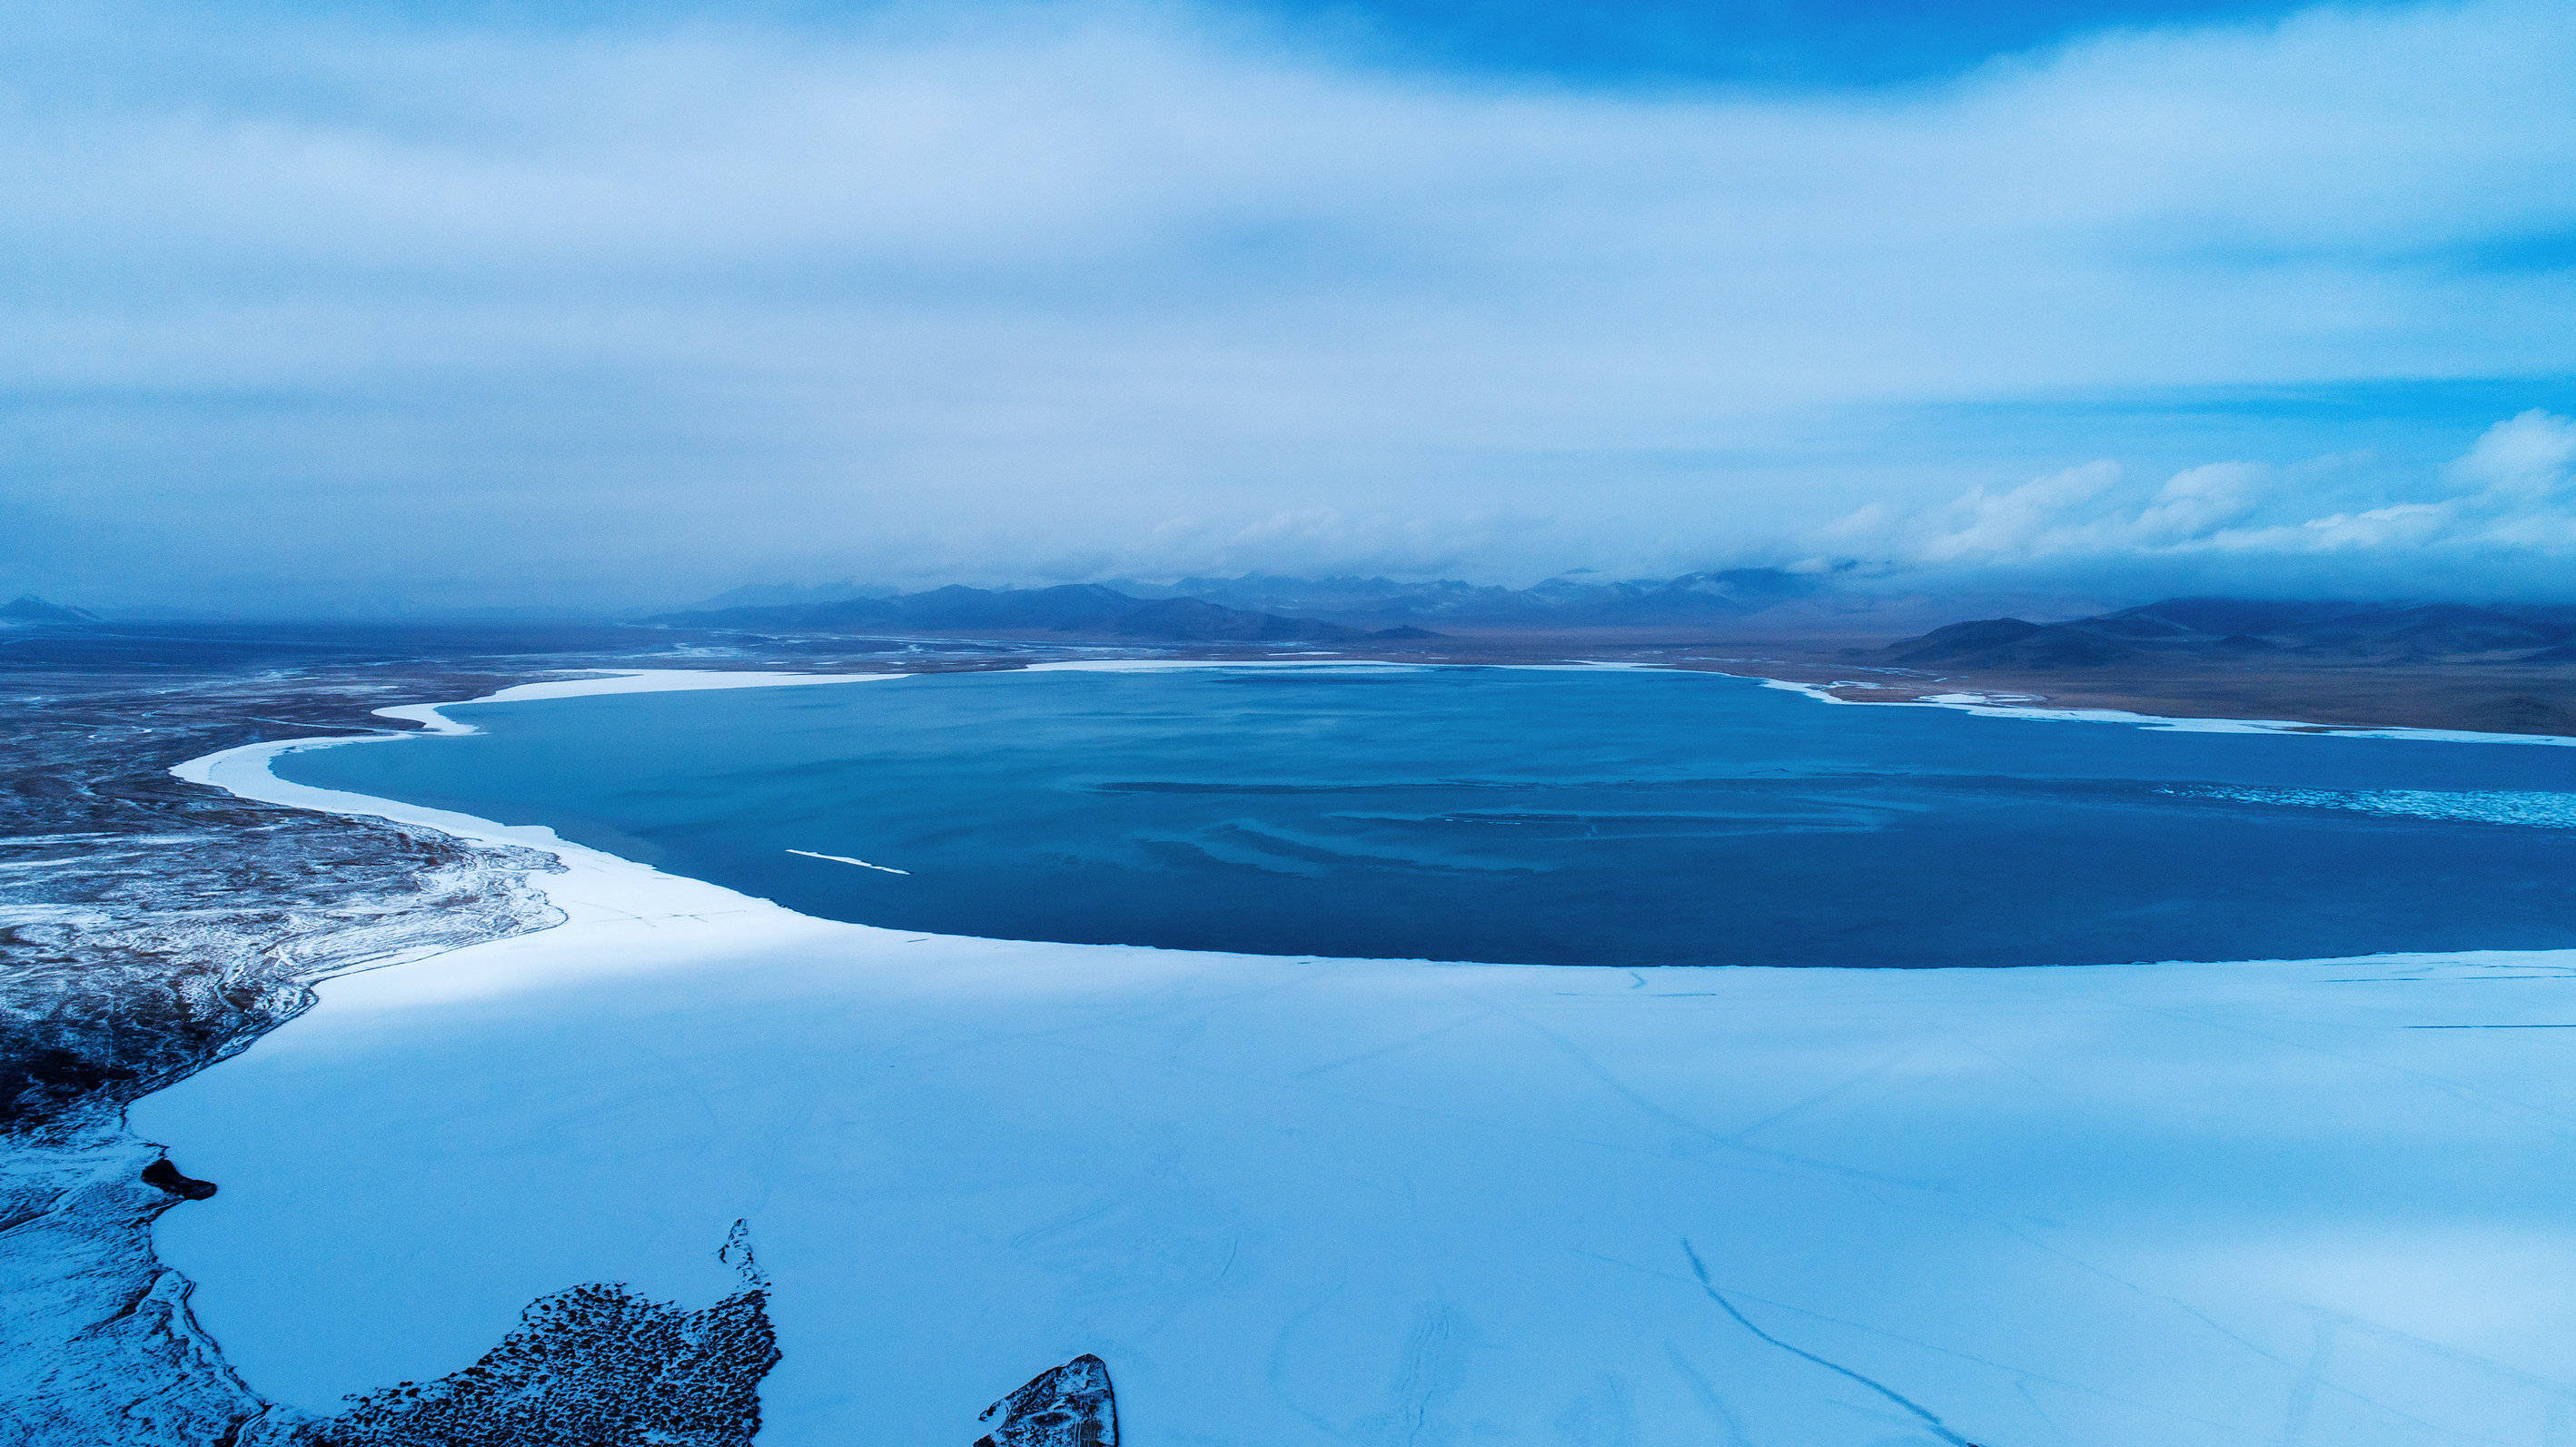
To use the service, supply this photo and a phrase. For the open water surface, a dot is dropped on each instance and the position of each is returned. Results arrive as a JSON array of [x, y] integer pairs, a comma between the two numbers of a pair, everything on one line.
[[1577, 817]]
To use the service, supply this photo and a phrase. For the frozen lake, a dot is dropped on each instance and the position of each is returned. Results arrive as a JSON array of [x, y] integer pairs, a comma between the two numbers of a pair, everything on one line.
[[1528, 816], [1307, 1200]]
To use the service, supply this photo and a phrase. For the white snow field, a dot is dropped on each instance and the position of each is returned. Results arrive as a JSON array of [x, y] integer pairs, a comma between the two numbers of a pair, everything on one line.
[[1311, 1201]]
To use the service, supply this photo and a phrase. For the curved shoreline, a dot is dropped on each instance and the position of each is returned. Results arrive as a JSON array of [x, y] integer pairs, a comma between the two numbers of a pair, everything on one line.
[[595, 885]]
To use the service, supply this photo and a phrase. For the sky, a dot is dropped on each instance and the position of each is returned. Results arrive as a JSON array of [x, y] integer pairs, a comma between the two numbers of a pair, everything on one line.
[[385, 308]]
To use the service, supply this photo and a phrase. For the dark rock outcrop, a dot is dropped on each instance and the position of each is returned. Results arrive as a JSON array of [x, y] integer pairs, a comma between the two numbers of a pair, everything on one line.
[[1068, 1406], [168, 1177], [595, 1366]]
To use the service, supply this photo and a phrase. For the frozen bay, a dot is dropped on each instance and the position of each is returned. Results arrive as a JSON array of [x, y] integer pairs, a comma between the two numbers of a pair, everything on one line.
[[1309, 1200], [1522, 816]]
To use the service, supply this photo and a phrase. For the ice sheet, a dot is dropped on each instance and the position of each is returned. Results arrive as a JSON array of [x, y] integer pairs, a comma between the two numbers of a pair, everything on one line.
[[1308, 1201]]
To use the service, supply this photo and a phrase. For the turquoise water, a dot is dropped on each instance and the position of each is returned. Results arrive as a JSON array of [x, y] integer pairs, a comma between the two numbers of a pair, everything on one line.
[[1586, 817]]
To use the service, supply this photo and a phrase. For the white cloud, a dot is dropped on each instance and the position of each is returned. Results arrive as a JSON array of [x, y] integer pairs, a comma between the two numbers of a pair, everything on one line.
[[2019, 521], [708, 302], [2506, 509], [2522, 460]]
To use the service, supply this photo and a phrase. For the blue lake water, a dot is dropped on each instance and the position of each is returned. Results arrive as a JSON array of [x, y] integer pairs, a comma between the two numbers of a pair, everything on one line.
[[1578, 817]]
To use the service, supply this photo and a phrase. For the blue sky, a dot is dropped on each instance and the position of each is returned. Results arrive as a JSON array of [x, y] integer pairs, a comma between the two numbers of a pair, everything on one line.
[[1785, 43], [382, 307]]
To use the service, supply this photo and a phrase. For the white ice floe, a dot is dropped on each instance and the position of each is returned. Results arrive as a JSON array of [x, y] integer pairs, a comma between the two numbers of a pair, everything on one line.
[[1298, 1201], [2526, 808], [845, 859]]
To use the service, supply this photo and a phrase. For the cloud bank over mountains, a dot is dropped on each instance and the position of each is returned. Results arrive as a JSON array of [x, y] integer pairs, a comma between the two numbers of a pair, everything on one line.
[[2499, 519], [379, 313]]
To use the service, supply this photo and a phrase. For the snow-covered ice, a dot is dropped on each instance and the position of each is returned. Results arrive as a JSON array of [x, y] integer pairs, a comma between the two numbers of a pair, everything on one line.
[[1310, 1201]]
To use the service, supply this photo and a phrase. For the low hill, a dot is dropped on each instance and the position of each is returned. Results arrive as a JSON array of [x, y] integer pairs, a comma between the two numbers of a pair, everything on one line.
[[28, 608], [2009, 642], [2237, 629]]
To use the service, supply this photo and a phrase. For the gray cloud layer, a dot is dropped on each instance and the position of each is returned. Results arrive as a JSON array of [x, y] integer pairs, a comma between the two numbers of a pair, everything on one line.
[[396, 316]]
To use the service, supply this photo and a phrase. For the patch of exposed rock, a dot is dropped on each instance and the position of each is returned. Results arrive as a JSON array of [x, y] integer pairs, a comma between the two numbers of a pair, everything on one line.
[[1068, 1406]]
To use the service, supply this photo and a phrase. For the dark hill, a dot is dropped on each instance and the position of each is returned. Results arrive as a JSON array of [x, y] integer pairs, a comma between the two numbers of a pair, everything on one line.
[[1963, 640], [2238, 630], [2010, 643], [2389, 632], [2520, 714], [28, 608], [1196, 620]]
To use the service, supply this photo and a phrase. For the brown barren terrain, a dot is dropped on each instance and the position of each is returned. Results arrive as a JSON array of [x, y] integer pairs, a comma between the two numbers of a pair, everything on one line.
[[2477, 697]]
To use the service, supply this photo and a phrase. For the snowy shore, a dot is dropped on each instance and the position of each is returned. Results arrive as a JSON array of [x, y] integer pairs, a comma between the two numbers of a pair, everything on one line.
[[2027, 706], [594, 886], [1299, 1200]]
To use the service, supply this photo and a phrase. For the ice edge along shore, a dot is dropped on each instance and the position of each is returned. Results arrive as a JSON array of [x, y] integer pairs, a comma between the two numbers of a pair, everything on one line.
[[596, 886], [1992, 706]]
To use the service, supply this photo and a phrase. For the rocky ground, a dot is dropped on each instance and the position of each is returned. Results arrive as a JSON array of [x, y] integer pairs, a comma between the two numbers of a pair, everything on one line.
[[2431, 666], [149, 928]]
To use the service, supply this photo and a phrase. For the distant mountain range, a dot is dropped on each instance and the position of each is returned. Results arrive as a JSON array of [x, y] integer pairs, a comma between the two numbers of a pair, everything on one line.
[[1085, 609], [28, 608], [2237, 629], [1562, 602], [790, 595], [1257, 607]]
